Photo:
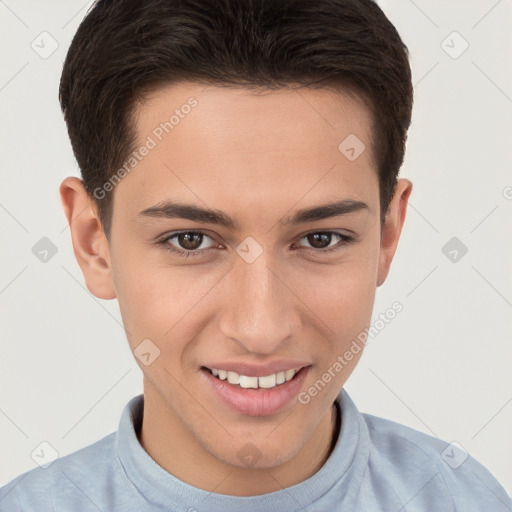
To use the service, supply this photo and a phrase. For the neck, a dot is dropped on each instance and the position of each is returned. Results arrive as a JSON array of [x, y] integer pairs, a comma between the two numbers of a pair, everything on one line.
[[183, 456]]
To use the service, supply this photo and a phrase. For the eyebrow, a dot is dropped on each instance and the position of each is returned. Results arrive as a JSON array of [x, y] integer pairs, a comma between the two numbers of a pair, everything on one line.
[[175, 210]]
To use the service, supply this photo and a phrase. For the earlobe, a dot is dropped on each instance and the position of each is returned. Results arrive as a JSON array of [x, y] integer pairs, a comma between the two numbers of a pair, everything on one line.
[[90, 244], [392, 228]]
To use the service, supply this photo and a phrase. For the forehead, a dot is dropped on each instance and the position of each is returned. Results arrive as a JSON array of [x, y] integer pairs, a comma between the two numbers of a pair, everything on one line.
[[316, 112], [219, 142]]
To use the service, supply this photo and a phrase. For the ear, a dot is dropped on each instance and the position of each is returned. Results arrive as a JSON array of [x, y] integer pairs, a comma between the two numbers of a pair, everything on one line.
[[90, 244], [392, 227]]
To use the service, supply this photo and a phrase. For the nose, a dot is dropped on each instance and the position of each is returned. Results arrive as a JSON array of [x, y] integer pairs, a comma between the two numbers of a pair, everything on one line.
[[260, 312]]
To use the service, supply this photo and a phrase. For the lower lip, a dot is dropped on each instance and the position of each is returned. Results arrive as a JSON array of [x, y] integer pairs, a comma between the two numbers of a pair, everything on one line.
[[256, 402]]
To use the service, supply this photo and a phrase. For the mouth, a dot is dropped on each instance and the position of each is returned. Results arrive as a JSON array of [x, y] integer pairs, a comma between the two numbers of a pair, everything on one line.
[[252, 382], [255, 395]]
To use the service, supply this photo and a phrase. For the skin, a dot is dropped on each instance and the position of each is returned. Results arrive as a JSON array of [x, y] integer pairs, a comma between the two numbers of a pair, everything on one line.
[[258, 157]]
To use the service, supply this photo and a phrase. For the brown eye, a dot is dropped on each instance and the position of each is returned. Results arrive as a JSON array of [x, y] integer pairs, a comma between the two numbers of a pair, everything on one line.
[[322, 241], [189, 241], [319, 240]]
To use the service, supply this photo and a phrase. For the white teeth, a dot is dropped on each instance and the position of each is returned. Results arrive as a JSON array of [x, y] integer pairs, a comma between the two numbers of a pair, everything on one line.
[[289, 375], [233, 378], [266, 382], [248, 382]]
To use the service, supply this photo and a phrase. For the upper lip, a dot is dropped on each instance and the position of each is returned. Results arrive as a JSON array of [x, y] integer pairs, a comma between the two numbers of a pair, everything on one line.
[[259, 370]]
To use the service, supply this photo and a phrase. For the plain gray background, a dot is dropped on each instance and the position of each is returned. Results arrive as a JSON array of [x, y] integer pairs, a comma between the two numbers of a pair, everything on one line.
[[441, 366]]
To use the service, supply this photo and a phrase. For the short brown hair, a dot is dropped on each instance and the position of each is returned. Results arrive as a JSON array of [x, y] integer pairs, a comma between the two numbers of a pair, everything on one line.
[[124, 48]]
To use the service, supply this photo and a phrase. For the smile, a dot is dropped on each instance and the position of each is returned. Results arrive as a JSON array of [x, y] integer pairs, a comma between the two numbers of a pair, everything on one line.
[[255, 395], [246, 382]]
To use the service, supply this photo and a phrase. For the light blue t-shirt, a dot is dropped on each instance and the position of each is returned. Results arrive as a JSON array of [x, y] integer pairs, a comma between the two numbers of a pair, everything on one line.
[[376, 465]]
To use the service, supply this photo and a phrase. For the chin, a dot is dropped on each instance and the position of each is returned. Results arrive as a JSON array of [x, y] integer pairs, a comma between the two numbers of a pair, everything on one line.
[[252, 454]]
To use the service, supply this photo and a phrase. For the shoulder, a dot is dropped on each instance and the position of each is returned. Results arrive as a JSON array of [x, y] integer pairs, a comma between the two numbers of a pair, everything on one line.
[[423, 459], [75, 474]]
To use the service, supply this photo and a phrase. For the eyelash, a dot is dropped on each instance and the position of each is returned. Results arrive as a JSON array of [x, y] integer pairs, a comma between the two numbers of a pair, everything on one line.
[[344, 241]]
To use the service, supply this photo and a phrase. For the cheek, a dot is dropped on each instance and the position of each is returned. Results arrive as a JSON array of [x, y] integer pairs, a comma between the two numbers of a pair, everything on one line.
[[342, 298], [140, 291], [342, 294], [158, 301], [343, 304]]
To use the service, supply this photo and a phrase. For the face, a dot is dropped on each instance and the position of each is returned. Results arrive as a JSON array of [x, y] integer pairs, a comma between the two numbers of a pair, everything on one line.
[[268, 282]]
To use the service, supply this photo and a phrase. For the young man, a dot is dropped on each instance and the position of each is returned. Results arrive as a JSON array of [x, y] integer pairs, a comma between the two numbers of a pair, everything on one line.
[[240, 199]]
